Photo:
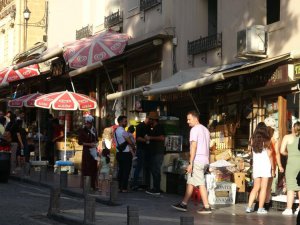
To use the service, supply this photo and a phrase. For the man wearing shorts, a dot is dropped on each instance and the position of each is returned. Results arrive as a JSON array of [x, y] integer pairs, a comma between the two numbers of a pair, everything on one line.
[[198, 162]]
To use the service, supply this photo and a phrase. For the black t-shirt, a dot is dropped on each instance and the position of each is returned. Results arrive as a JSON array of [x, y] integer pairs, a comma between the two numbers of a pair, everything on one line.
[[13, 128], [141, 130], [157, 146]]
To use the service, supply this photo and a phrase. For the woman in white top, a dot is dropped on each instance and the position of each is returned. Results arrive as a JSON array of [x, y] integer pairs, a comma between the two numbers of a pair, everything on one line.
[[262, 168]]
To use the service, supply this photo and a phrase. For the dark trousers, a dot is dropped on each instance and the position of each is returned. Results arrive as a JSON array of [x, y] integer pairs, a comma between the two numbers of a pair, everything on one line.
[[156, 161], [50, 152], [124, 161], [142, 163]]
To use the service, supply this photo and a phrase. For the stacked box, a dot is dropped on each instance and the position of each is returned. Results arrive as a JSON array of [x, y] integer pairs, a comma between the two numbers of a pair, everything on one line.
[[225, 193]]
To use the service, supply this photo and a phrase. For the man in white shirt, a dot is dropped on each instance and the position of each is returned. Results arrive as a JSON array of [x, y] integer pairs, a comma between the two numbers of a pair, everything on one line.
[[124, 155]]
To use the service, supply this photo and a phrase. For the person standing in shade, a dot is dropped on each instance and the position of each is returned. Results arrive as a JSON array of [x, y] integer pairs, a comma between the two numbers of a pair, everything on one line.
[[198, 163], [124, 154], [141, 153], [156, 150], [88, 137], [290, 147]]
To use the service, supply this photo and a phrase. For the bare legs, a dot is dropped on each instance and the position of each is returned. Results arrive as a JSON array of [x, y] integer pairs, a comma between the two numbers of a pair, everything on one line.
[[260, 185]]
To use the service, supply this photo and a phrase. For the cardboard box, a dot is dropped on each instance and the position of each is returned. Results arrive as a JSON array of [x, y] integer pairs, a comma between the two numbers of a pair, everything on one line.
[[225, 193], [239, 180]]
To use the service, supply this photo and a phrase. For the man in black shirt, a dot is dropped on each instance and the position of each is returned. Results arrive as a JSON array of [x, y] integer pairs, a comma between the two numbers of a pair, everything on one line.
[[141, 131], [156, 137]]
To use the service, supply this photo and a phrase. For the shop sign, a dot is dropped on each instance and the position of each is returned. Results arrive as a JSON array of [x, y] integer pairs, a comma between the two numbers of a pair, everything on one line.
[[267, 77], [297, 71]]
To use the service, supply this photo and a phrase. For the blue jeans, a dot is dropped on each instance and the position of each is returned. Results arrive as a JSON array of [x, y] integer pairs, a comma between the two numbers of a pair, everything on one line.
[[156, 161]]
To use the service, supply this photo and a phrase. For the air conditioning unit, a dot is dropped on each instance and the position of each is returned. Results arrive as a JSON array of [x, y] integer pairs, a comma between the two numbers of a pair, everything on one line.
[[252, 42]]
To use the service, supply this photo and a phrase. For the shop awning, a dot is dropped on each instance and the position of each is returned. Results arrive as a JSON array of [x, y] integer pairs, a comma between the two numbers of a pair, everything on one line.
[[181, 81], [258, 65], [196, 77]]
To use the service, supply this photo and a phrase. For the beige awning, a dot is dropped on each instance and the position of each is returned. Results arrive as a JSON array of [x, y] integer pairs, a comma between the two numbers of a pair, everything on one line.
[[196, 77], [180, 81]]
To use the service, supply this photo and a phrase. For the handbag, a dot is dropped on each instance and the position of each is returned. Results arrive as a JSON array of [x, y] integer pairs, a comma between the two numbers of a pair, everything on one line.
[[298, 179], [121, 147]]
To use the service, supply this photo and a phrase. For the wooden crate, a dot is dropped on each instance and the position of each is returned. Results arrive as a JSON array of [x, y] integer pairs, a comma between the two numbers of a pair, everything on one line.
[[239, 180]]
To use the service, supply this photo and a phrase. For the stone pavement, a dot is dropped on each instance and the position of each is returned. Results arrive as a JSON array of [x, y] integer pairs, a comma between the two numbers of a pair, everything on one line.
[[152, 210]]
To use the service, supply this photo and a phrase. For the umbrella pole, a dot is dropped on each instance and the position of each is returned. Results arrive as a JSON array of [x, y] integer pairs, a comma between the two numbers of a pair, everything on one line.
[[39, 132], [65, 155], [72, 85]]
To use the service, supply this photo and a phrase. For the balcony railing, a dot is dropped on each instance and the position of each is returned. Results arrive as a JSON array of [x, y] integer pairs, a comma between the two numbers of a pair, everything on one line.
[[113, 19], [84, 32], [147, 4], [205, 44]]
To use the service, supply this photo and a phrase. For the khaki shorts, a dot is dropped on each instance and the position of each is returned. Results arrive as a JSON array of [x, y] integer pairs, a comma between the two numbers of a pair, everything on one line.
[[197, 178]]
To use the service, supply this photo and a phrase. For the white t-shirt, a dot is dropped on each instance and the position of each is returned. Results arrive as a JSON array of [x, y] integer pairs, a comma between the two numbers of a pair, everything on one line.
[[121, 134]]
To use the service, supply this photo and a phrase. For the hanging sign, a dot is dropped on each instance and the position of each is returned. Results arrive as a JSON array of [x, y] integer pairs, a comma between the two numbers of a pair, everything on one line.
[[297, 71]]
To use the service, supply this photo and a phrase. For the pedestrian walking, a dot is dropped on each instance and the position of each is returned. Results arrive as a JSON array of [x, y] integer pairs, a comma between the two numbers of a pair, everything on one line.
[[290, 146], [262, 168], [198, 163]]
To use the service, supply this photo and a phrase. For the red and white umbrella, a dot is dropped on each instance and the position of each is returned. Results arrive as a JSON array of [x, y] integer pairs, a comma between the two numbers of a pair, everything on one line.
[[65, 100], [8, 75], [26, 101], [95, 49]]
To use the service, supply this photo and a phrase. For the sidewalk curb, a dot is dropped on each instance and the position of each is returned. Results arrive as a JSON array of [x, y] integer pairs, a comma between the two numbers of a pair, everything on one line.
[[65, 219], [65, 191]]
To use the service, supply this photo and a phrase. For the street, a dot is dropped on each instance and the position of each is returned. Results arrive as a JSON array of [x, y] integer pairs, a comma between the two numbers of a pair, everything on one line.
[[24, 204]]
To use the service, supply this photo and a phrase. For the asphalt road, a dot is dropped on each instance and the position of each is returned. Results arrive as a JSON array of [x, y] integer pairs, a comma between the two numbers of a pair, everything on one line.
[[24, 204]]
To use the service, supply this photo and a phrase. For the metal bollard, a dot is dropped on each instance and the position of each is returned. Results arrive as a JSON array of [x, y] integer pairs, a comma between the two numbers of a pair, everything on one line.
[[132, 215], [186, 220], [43, 173], [63, 179], [89, 209], [54, 201], [114, 186], [86, 185]]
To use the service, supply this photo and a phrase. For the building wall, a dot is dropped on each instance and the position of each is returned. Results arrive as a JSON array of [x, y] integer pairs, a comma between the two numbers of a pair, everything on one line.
[[65, 17]]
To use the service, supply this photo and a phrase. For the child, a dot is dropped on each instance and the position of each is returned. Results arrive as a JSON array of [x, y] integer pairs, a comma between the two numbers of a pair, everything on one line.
[[262, 167], [104, 171]]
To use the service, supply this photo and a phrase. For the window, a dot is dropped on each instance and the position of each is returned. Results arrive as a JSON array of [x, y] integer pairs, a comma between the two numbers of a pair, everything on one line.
[[144, 78], [132, 4], [212, 16], [273, 11]]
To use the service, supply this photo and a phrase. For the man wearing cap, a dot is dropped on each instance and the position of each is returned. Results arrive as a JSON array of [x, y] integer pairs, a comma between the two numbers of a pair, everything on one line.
[[156, 138]]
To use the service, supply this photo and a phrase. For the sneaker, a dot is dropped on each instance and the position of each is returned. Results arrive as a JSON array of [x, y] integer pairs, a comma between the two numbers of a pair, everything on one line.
[[153, 192], [287, 212], [204, 210], [262, 211], [296, 211], [249, 210], [180, 207]]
